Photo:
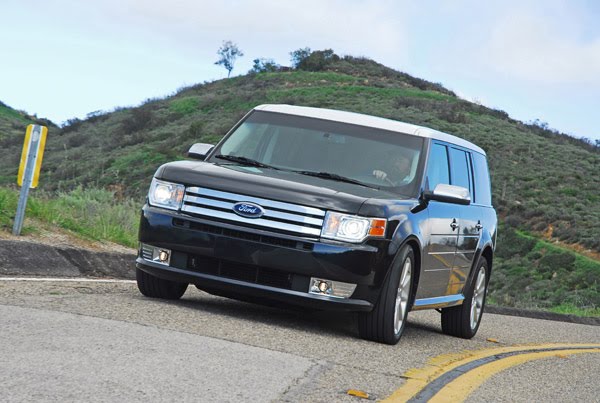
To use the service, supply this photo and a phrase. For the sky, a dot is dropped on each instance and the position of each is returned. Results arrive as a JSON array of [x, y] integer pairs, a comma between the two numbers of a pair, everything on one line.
[[61, 59]]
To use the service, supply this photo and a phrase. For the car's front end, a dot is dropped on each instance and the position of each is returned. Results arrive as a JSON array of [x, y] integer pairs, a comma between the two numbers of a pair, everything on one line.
[[246, 245]]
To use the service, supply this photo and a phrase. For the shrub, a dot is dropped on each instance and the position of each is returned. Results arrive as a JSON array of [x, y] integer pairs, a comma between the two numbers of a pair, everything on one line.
[[556, 261], [510, 243], [138, 119]]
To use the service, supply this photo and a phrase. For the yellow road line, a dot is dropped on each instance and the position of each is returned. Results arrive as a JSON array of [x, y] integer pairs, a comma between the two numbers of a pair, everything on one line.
[[459, 389], [418, 378]]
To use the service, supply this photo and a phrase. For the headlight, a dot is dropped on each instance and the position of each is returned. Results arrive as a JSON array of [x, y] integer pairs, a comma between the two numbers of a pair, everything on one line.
[[351, 228], [166, 194]]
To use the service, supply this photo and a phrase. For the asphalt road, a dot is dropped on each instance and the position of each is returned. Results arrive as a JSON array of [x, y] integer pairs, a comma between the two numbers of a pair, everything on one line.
[[90, 341]]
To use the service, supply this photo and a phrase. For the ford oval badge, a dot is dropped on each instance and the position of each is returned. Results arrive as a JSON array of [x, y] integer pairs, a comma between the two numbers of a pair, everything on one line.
[[248, 210]]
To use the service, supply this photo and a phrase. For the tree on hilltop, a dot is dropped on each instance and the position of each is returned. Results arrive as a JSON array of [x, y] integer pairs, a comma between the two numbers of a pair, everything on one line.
[[305, 59], [298, 56], [263, 65], [228, 52]]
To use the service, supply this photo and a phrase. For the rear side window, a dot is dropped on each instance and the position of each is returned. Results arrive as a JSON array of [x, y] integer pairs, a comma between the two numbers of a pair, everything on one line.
[[483, 194], [437, 168], [459, 163]]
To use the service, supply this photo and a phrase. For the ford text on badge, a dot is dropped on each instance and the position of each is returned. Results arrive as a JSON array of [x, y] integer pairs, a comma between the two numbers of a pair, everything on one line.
[[248, 210]]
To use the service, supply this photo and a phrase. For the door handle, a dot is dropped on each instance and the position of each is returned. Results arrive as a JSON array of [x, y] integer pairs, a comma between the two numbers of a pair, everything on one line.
[[478, 226], [453, 224]]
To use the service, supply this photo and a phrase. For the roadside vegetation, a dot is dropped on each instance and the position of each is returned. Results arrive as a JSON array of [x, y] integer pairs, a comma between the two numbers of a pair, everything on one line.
[[536, 274], [93, 214], [96, 171]]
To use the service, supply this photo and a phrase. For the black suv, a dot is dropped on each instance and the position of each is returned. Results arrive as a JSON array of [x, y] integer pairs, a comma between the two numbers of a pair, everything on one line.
[[329, 210]]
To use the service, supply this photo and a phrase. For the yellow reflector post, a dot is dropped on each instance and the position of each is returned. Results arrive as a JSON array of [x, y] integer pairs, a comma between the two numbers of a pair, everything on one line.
[[36, 139]]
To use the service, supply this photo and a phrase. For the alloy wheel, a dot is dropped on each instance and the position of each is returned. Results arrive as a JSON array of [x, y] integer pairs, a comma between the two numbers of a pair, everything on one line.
[[478, 297], [402, 295]]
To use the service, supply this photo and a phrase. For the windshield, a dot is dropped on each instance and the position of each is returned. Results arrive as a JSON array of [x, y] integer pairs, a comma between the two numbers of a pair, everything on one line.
[[373, 157]]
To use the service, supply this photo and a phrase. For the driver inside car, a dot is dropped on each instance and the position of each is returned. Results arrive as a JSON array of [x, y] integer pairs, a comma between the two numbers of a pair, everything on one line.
[[395, 170]]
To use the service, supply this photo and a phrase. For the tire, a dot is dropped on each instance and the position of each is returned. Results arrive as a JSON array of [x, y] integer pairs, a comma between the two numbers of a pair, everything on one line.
[[463, 320], [155, 287], [386, 322]]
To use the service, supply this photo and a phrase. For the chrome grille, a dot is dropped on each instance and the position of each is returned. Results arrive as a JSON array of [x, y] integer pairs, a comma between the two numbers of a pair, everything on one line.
[[278, 216]]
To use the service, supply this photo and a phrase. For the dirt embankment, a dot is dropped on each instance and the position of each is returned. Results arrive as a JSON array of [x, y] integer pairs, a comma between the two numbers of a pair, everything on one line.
[[60, 256]]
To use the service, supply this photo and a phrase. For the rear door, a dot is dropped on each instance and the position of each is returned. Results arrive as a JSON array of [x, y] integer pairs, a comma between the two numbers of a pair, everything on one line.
[[469, 229]]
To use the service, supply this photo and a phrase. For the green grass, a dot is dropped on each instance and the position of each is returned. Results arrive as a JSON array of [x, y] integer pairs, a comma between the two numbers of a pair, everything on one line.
[[8, 207], [357, 91], [305, 77], [184, 106], [570, 309], [90, 213], [9, 113]]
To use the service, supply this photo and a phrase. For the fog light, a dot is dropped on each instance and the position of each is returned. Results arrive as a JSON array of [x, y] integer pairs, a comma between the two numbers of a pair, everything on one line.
[[329, 288], [323, 286], [161, 255], [319, 286]]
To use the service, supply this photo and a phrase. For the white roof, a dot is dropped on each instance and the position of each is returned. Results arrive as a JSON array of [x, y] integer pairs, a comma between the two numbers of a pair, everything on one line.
[[370, 121]]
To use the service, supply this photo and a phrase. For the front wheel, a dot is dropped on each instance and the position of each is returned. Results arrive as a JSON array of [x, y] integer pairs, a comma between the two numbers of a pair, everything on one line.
[[155, 287], [463, 320], [386, 322]]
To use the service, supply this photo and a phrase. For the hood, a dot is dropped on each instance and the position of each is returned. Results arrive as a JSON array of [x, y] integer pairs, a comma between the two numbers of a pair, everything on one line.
[[272, 184]]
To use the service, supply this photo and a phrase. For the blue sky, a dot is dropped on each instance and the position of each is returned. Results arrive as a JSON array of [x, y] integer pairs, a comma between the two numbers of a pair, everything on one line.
[[534, 59]]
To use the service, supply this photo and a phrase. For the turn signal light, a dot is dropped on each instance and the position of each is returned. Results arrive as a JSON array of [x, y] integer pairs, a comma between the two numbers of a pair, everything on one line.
[[377, 227]]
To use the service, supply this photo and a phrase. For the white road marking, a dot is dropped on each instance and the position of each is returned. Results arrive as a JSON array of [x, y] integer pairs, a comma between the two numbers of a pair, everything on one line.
[[64, 280]]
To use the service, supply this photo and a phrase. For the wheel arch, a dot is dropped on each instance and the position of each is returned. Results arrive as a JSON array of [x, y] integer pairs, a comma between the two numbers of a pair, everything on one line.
[[416, 247], [487, 253], [414, 243]]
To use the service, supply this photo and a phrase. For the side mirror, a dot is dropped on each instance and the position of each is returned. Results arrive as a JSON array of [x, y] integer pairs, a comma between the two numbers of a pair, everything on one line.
[[199, 151], [448, 194]]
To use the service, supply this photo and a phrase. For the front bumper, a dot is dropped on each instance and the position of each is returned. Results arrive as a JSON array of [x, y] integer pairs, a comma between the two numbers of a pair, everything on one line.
[[241, 261], [234, 288]]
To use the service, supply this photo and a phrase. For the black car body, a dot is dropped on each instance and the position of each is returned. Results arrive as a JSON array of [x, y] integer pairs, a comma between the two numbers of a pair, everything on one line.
[[287, 208]]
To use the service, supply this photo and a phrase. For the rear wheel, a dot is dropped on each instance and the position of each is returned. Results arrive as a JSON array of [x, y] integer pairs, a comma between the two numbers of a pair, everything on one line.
[[386, 322], [155, 287], [463, 320]]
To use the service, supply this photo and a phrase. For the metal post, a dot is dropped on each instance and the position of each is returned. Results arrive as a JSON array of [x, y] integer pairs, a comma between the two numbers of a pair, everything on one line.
[[27, 179]]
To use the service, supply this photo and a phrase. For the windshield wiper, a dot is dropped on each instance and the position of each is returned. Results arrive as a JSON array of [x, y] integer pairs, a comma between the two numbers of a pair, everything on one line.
[[335, 177], [244, 160]]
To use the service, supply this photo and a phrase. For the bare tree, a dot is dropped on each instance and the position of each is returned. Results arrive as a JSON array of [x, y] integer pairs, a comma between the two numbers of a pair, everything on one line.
[[228, 52]]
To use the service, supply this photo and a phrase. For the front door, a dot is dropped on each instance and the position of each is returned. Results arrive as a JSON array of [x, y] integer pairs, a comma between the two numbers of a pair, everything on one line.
[[442, 230], [440, 253]]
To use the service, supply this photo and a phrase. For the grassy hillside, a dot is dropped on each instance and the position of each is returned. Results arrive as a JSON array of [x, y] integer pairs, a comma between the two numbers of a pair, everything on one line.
[[544, 184], [532, 273], [13, 124]]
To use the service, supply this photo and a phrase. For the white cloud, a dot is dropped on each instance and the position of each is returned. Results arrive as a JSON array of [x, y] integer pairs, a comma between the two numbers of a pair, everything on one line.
[[544, 46]]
